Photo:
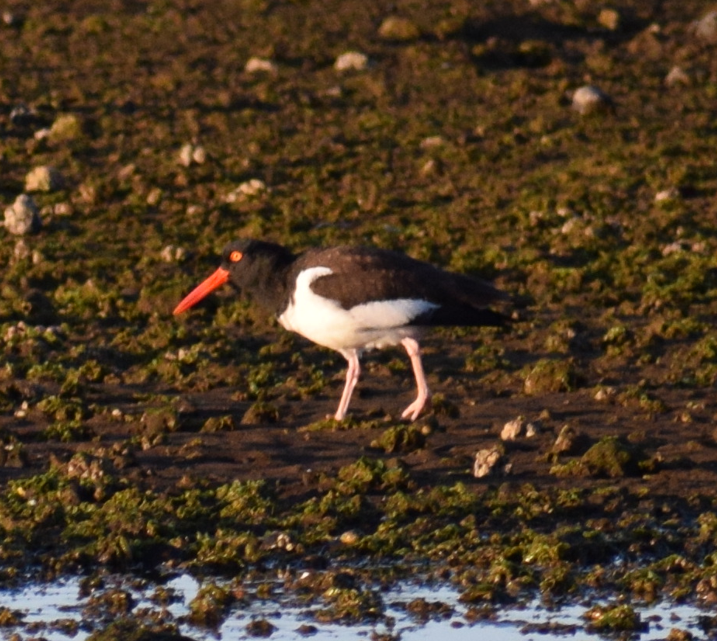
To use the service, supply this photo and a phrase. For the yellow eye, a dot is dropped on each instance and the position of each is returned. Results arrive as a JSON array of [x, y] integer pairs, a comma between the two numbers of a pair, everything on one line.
[[235, 256]]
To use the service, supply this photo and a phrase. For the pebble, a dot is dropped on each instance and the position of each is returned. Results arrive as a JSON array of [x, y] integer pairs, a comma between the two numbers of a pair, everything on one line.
[[518, 427], [154, 196], [677, 76], [433, 142], [65, 127], [23, 217], [189, 154], [44, 178], [247, 190], [605, 393], [706, 27], [398, 29], [260, 65], [487, 463], [513, 429], [172, 254], [590, 99], [21, 114], [610, 19], [350, 537], [351, 61], [671, 193]]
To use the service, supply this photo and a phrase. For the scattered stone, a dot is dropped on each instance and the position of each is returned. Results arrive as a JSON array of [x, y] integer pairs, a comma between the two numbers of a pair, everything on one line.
[[677, 76], [397, 29], [44, 178], [21, 115], [351, 61], [350, 537], [672, 193], [172, 254], [490, 462], [11, 19], [247, 190], [126, 172], [590, 99], [610, 19], [189, 154], [430, 167], [23, 217], [673, 248], [260, 65], [706, 27], [433, 142], [605, 393], [65, 127], [154, 197], [513, 429], [570, 441]]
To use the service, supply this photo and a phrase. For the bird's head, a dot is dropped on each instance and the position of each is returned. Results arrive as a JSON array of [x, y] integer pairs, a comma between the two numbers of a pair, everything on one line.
[[247, 264], [232, 256]]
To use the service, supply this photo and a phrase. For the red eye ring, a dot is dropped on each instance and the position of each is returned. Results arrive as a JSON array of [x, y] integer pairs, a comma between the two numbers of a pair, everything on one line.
[[235, 256]]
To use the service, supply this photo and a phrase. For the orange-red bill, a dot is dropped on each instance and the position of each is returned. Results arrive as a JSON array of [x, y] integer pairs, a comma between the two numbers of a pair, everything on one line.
[[217, 279]]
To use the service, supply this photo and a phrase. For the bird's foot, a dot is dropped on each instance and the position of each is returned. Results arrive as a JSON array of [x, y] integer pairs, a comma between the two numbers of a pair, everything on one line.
[[414, 409]]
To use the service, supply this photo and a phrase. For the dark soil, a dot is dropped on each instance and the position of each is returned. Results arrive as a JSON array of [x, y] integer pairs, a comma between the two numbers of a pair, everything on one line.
[[458, 144]]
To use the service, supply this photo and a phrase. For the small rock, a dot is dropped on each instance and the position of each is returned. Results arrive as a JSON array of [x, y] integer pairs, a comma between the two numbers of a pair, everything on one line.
[[398, 29], [185, 155], [11, 19], [171, 254], [189, 154], [21, 251], [247, 190], [351, 61], [430, 167], [199, 155], [350, 537], [21, 114], [605, 393], [433, 142], [590, 99], [260, 65], [610, 19], [65, 127], [126, 172], [672, 193], [22, 217], [154, 197], [706, 27], [677, 76], [488, 461], [513, 429], [44, 178], [570, 441], [673, 248]]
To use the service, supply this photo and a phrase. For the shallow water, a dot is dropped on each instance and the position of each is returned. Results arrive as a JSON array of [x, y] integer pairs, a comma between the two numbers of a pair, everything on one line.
[[45, 605]]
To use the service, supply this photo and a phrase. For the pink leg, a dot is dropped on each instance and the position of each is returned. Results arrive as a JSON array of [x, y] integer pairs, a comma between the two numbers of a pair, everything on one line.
[[352, 376], [414, 353]]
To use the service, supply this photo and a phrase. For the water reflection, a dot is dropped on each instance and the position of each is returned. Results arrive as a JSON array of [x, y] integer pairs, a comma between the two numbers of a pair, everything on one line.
[[47, 609]]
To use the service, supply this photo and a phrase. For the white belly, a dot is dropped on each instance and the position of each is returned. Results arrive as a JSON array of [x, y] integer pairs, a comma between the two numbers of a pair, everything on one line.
[[371, 325]]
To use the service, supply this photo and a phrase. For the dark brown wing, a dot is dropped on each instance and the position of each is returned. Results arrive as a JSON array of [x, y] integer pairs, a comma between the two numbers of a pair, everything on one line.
[[362, 274]]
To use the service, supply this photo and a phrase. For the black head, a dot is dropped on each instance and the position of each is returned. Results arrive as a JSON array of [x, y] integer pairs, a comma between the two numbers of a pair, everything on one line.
[[249, 264]]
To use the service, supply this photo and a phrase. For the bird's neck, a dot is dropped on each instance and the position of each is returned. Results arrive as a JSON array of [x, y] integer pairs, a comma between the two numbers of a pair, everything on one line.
[[265, 279]]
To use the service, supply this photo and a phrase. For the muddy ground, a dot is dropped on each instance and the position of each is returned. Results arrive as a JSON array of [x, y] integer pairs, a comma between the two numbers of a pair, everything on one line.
[[457, 143]]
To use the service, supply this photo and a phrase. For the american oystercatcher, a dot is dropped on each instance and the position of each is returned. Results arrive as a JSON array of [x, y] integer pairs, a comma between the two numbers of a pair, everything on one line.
[[353, 299]]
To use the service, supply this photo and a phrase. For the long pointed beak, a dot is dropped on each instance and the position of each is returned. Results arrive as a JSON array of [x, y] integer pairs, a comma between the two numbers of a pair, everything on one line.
[[217, 279]]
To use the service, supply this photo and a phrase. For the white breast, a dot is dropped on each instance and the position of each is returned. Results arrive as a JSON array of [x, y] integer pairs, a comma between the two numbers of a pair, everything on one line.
[[365, 326]]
